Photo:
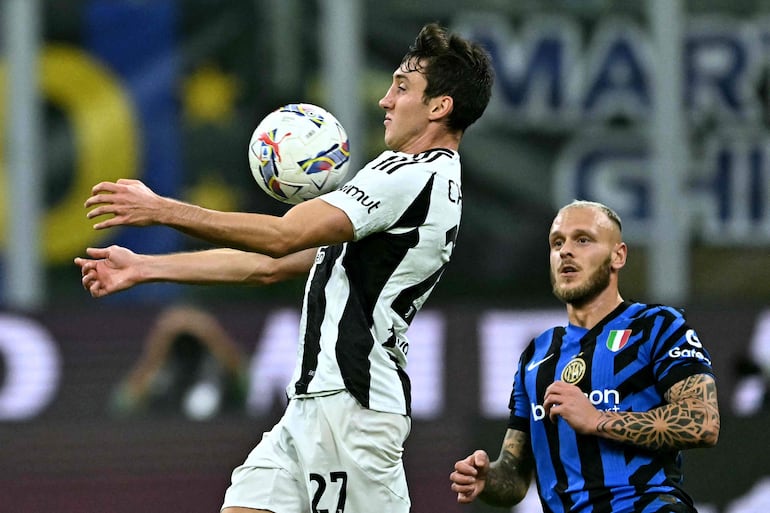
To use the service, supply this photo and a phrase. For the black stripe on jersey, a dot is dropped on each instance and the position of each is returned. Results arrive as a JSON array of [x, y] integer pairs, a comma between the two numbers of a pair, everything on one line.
[[546, 373], [588, 447], [393, 160], [415, 216], [647, 472], [397, 161], [406, 386], [641, 328], [435, 153], [312, 341], [403, 305], [369, 263]]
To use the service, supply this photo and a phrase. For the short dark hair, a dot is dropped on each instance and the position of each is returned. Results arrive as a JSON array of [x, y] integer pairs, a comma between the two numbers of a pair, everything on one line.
[[453, 66]]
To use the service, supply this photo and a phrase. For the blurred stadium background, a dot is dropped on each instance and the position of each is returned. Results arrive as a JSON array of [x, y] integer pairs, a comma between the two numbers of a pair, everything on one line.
[[659, 108]]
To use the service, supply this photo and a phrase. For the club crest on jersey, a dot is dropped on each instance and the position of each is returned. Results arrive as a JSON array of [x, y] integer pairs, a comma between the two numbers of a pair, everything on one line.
[[574, 371], [617, 339]]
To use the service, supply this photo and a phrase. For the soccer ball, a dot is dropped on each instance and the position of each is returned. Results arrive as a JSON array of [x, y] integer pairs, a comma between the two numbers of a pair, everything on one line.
[[298, 152]]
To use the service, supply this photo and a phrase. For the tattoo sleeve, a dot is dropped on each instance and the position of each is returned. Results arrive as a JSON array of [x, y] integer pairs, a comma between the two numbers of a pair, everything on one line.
[[509, 477], [689, 419]]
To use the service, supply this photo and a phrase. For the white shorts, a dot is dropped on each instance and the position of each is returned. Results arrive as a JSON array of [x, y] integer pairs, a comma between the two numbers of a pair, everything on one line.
[[327, 453]]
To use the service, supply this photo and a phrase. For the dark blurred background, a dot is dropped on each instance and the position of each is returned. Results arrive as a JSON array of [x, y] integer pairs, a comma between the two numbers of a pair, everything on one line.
[[659, 108]]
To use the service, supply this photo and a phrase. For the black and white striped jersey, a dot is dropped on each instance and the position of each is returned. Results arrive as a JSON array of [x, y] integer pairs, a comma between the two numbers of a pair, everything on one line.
[[362, 295]]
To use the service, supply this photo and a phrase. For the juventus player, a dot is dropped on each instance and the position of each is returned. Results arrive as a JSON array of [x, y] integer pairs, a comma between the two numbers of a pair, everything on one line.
[[600, 408], [375, 249]]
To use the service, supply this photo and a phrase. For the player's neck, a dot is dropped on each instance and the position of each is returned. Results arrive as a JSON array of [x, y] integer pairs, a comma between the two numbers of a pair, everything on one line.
[[589, 314], [432, 138]]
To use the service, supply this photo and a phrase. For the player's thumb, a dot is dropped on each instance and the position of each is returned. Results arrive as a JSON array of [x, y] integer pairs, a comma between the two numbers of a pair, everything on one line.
[[480, 460]]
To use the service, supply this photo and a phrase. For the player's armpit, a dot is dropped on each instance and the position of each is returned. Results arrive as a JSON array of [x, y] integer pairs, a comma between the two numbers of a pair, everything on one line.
[[509, 477], [689, 420]]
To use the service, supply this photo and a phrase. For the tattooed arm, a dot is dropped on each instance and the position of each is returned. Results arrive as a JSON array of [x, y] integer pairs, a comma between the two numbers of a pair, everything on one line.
[[689, 419], [501, 483]]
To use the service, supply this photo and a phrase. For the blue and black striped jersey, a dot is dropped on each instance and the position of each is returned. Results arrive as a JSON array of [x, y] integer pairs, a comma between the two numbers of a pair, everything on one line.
[[625, 363]]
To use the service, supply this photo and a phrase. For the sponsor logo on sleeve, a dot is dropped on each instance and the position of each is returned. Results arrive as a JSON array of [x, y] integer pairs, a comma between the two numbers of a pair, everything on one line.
[[361, 196], [694, 351]]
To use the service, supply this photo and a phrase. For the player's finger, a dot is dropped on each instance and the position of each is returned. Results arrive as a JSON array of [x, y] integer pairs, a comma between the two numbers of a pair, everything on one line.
[[460, 478], [464, 498], [553, 411], [104, 187], [466, 466], [128, 181], [479, 459], [98, 253], [101, 209]]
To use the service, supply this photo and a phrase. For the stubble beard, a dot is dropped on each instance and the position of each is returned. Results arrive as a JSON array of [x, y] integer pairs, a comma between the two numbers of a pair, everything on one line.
[[595, 285]]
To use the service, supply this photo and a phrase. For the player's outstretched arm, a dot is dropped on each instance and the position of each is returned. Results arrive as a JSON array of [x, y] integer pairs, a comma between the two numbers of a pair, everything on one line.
[[501, 483], [310, 224], [113, 269], [689, 420]]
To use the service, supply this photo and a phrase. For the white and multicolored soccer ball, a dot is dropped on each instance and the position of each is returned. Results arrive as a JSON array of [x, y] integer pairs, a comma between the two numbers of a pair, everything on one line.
[[298, 152]]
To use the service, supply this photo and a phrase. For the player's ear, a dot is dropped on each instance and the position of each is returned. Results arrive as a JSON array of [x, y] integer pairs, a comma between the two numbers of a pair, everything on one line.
[[619, 254], [440, 107]]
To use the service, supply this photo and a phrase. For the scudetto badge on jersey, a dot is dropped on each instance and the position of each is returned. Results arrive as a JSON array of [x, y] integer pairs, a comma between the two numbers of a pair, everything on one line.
[[617, 339], [574, 371]]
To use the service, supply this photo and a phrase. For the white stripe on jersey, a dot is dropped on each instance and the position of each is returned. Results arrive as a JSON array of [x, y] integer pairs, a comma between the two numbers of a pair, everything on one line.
[[361, 296]]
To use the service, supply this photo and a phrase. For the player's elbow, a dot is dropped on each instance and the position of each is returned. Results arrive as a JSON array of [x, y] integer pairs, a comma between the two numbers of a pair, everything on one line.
[[283, 242], [280, 247], [708, 427], [710, 434]]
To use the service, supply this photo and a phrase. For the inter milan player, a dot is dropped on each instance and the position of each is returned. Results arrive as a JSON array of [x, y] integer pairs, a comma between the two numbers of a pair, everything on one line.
[[602, 407]]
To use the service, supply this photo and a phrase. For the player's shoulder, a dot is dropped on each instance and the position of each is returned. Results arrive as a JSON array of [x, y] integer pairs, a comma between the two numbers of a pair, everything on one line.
[[646, 310], [545, 337]]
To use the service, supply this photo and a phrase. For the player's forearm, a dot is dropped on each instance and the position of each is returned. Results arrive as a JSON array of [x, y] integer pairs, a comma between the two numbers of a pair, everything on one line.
[[688, 422], [216, 266], [246, 231], [508, 478], [505, 486]]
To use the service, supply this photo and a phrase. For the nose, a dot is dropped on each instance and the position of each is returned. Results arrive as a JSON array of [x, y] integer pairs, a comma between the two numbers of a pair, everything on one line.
[[385, 102], [566, 249]]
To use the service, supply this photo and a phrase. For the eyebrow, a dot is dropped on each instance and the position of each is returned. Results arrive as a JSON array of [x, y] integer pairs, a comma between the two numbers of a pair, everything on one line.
[[578, 232], [400, 75]]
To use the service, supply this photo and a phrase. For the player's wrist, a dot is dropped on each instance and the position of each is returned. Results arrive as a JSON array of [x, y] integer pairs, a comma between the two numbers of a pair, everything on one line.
[[601, 421]]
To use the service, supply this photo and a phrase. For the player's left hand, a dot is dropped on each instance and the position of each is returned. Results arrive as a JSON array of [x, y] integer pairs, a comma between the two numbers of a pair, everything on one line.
[[108, 270], [130, 202], [571, 404]]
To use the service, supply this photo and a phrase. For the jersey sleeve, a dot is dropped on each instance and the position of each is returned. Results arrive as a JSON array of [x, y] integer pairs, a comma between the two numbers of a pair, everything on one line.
[[374, 199], [678, 352], [519, 401]]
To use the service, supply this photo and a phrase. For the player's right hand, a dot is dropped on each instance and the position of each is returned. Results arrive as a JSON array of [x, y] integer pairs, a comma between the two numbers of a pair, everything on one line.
[[129, 201], [469, 476]]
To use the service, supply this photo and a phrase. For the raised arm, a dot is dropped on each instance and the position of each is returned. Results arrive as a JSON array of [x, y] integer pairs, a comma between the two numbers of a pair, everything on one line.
[[310, 224], [501, 483], [690, 417], [112, 269]]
